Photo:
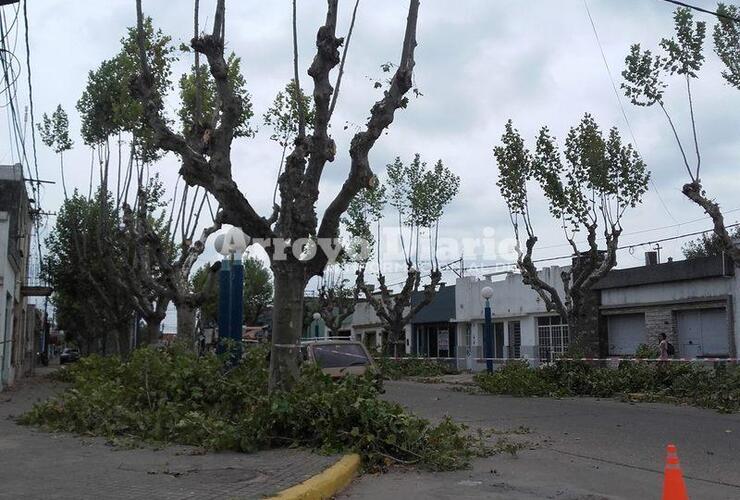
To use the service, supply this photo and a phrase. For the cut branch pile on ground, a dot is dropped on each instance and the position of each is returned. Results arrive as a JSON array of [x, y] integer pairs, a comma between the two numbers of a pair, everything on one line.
[[175, 397], [707, 387], [395, 369]]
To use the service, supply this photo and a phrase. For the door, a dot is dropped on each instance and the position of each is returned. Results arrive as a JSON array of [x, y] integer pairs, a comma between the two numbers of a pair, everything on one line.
[[371, 341], [498, 340], [443, 343], [626, 332], [469, 346], [689, 333], [714, 333], [703, 332], [5, 341]]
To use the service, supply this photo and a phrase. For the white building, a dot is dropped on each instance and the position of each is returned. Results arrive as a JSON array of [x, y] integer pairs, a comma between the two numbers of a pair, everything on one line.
[[691, 301], [16, 350], [521, 325], [368, 329]]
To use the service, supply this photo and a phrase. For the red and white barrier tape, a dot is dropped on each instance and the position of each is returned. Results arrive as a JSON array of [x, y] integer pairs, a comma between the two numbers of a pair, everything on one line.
[[612, 360]]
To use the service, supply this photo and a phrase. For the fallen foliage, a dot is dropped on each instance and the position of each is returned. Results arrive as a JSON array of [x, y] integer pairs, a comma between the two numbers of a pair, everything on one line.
[[715, 387], [173, 396]]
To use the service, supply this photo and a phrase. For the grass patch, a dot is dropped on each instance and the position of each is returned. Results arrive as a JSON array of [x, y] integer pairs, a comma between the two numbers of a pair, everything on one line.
[[708, 387], [173, 396]]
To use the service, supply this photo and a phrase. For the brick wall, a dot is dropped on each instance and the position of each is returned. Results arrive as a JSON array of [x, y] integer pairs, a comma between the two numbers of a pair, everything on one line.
[[660, 320]]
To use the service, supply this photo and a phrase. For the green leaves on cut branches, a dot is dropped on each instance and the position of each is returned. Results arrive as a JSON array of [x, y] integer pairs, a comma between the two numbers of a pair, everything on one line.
[[202, 80], [683, 56], [174, 396], [592, 176], [107, 107], [684, 52], [642, 85], [54, 130], [282, 115], [418, 193], [727, 42], [364, 211]]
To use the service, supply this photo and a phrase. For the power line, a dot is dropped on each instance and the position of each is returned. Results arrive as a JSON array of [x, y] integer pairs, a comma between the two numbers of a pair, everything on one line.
[[12, 92], [622, 247], [706, 11], [650, 230], [621, 104], [30, 98], [446, 267]]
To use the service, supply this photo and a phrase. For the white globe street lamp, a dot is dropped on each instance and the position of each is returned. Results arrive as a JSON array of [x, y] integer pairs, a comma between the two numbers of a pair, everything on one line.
[[231, 243]]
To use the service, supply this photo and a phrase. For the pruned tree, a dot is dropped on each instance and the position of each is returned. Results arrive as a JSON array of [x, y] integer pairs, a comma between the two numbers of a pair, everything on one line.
[[683, 56], [588, 187], [419, 195], [336, 298], [89, 305], [54, 132], [109, 114], [336, 303], [207, 162], [136, 270], [161, 251]]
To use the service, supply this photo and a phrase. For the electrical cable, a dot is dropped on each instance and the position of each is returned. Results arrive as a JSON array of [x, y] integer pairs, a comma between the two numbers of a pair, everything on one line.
[[706, 11], [621, 105]]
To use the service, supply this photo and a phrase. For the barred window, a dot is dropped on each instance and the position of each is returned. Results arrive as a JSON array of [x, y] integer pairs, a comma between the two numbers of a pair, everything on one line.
[[515, 339], [552, 333]]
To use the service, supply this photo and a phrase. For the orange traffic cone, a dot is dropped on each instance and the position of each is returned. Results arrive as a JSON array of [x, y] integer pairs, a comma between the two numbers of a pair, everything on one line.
[[674, 487]]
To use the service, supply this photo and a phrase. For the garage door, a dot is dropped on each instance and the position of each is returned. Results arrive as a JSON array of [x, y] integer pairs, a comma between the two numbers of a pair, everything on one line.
[[626, 332], [703, 332]]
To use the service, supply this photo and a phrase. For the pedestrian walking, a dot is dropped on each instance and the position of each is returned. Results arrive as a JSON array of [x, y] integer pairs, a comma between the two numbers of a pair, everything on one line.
[[663, 346]]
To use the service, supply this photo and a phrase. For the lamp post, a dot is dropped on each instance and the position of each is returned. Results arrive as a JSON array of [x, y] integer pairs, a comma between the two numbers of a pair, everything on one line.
[[231, 245], [316, 318], [487, 293]]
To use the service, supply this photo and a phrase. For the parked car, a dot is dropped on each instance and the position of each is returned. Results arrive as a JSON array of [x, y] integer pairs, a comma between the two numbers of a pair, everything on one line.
[[69, 355], [339, 358]]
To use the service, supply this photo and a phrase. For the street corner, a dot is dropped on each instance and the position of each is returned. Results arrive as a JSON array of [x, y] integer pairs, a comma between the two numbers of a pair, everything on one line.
[[325, 484]]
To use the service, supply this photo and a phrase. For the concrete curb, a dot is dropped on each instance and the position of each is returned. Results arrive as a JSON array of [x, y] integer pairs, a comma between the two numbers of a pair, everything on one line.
[[326, 484]]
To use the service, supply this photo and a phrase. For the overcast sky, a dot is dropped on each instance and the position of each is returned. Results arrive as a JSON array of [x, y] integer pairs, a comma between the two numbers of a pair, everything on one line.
[[478, 63]]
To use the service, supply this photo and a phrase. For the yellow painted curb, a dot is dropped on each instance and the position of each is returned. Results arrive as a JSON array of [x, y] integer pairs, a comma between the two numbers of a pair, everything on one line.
[[326, 484]]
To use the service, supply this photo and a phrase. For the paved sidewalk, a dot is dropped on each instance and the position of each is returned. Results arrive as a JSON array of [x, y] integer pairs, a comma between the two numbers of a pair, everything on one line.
[[36, 464]]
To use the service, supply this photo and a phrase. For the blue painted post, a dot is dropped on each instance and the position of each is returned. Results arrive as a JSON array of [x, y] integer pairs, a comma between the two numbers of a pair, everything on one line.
[[224, 297], [237, 305], [487, 338]]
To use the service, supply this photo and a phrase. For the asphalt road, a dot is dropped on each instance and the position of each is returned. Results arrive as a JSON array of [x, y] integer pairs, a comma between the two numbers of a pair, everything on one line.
[[585, 449]]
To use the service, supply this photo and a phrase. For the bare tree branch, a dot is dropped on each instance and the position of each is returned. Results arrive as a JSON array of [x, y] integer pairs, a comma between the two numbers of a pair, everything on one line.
[[344, 59], [381, 116]]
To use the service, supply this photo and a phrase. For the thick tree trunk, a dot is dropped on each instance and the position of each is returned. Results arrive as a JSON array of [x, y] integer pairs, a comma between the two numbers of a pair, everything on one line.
[[287, 322], [695, 192], [124, 340], [111, 345], [393, 340], [583, 329], [186, 325], [151, 330]]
